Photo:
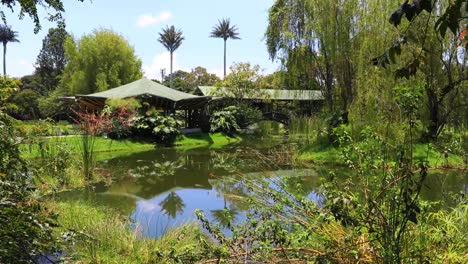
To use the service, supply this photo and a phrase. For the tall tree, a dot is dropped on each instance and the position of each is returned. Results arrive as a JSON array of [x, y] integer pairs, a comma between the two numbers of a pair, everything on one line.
[[97, 62], [171, 38], [225, 31], [189, 81], [314, 39], [51, 59], [7, 35]]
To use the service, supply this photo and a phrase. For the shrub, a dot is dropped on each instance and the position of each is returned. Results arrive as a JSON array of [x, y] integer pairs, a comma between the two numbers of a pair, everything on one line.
[[26, 103], [164, 129], [25, 232], [224, 121], [167, 129]]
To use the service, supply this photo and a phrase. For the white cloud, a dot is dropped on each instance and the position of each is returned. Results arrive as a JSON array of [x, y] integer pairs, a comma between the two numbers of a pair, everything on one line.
[[161, 61], [19, 68], [150, 19], [219, 71]]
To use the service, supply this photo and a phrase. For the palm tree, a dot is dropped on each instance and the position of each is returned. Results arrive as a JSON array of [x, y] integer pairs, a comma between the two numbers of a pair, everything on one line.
[[7, 35], [171, 38], [225, 31]]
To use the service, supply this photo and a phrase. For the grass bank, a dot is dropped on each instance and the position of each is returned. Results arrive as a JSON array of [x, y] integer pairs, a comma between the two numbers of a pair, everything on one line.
[[104, 145], [327, 154], [96, 234]]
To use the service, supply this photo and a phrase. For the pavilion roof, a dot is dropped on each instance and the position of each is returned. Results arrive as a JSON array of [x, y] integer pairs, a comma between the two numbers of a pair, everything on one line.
[[265, 94], [149, 89]]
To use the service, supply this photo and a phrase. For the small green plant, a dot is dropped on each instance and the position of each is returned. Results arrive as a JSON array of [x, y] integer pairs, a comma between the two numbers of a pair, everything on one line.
[[166, 129], [224, 121]]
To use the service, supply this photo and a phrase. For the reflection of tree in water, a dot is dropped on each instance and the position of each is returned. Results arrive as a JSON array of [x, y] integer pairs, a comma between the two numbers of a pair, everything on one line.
[[225, 217], [234, 162], [172, 204], [152, 170], [232, 190]]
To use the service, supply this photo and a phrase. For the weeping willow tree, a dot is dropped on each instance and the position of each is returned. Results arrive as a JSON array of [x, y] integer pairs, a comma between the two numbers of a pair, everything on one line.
[[315, 40], [328, 44]]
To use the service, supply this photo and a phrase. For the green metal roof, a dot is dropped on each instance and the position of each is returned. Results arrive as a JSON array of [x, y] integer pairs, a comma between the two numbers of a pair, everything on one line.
[[142, 87], [145, 88], [266, 94]]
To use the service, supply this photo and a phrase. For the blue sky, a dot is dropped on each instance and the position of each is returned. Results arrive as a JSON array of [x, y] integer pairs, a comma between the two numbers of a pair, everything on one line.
[[139, 21]]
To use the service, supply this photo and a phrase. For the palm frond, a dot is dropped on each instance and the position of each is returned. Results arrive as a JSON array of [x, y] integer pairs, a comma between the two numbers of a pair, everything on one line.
[[7, 34], [171, 38], [224, 30]]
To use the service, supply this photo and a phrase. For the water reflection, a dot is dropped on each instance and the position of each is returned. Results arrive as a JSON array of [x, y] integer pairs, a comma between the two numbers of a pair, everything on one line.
[[162, 188]]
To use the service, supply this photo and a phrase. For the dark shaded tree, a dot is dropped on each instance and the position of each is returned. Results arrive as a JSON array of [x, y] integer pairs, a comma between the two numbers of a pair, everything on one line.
[[171, 38], [226, 31], [51, 60], [7, 35]]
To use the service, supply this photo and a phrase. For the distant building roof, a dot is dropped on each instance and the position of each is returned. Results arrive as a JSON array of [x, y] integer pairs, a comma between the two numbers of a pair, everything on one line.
[[147, 88], [265, 94]]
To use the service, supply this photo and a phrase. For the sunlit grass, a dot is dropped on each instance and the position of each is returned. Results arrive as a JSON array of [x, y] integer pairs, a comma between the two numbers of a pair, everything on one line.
[[102, 235]]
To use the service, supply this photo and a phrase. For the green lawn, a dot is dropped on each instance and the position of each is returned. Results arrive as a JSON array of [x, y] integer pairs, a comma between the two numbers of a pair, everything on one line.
[[104, 147], [322, 154]]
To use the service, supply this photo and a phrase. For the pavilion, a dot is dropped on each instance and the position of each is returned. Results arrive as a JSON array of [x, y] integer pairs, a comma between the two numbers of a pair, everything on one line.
[[155, 95]]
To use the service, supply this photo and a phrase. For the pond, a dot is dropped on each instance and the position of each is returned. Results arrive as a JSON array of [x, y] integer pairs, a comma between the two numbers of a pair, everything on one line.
[[161, 189]]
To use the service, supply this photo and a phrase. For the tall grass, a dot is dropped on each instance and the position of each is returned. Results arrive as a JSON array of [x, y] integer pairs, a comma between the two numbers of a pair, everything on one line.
[[306, 128], [87, 155], [97, 234]]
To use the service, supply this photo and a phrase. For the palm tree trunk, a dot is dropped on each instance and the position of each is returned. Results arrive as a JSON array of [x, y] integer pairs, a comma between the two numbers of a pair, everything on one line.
[[171, 71], [225, 58], [4, 59]]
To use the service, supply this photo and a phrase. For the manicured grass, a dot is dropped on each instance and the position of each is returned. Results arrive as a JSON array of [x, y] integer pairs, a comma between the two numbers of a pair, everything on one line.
[[215, 140], [101, 235], [105, 148], [73, 144]]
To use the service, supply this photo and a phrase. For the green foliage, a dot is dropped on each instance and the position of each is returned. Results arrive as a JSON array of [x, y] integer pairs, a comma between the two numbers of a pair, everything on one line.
[[33, 82], [8, 86], [26, 233], [408, 98], [97, 234], [30, 8], [52, 107], [241, 82], [51, 60], [130, 104], [97, 62], [164, 129], [224, 121], [26, 105], [189, 81]]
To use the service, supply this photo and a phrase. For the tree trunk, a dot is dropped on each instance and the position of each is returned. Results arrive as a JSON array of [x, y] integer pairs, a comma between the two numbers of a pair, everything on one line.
[[434, 116], [171, 71], [4, 59], [225, 58]]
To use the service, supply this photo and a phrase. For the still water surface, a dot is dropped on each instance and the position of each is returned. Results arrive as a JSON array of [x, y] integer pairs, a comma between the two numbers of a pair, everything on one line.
[[162, 188]]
